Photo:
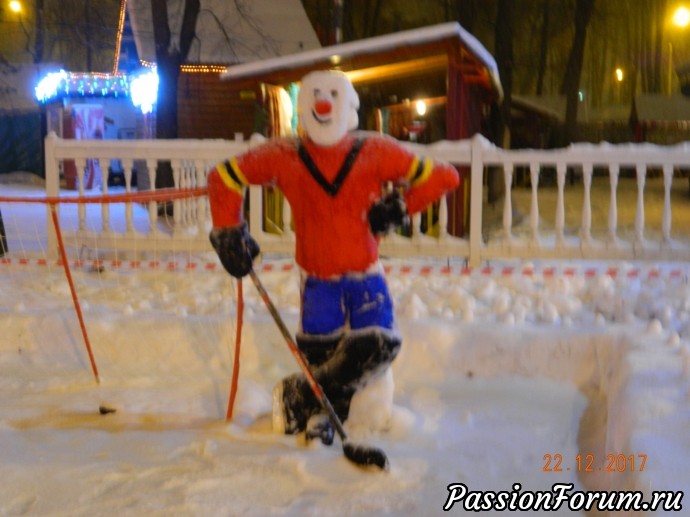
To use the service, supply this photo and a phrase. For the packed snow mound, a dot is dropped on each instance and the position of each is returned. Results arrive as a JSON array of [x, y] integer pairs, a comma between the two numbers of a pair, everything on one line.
[[586, 365]]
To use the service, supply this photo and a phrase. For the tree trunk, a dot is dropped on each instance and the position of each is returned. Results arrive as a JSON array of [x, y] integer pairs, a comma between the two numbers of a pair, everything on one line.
[[169, 56], [500, 121], [543, 47], [465, 11], [87, 36], [659, 15], [573, 72], [39, 27]]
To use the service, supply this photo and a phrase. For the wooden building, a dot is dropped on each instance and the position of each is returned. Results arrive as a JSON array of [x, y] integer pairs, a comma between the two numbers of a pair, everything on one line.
[[661, 119], [443, 66]]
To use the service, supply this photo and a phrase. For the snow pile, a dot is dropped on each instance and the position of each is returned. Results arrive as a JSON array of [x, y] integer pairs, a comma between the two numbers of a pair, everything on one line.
[[496, 372]]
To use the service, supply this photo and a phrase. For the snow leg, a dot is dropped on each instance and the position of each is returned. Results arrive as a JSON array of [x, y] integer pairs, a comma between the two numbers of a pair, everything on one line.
[[358, 359]]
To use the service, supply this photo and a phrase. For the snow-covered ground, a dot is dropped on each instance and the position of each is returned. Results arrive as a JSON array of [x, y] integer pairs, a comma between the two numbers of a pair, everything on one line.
[[507, 374]]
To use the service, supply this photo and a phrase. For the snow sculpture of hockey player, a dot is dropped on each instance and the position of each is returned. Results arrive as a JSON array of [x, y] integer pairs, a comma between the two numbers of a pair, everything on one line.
[[334, 180]]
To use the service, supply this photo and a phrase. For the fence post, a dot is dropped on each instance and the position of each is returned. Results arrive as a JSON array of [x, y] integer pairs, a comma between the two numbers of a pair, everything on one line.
[[52, 191], [256, 211], [666, 217], [476, 198], [641, 174]]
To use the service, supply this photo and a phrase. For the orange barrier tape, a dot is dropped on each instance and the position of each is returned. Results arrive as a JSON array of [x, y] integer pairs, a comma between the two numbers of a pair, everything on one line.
[[672, 273], [130, 197]]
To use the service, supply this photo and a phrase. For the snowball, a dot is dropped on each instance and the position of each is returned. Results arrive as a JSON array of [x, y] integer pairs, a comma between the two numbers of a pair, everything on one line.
[[502, 304], [519, 314], [655, 327], [415, 308], [486, 290], [461, 300], [673, 340], [549, 313]]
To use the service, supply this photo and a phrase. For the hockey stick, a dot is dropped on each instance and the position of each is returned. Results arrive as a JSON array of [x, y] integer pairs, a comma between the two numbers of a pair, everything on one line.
[[359, 454]]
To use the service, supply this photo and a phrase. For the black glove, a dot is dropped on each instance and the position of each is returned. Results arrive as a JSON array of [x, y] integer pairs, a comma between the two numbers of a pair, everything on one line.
[[236, 248], [388, 213]]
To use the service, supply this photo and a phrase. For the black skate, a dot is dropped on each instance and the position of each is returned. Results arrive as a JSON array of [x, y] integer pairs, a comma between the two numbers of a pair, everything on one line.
[[319, 426], [293, 404]]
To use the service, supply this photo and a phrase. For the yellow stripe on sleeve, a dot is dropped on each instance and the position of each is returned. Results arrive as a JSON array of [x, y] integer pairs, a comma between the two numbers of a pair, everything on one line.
[[231, 175], [420, 170]]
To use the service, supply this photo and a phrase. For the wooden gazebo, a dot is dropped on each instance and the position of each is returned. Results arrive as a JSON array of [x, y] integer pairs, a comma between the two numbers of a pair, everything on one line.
[[442, 65]]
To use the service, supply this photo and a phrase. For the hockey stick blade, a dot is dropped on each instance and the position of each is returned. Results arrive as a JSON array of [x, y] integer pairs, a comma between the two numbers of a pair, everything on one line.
[[365, 456]]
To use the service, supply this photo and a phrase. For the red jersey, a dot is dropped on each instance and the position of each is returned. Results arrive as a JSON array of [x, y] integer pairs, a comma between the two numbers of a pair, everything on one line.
[[331, 196]]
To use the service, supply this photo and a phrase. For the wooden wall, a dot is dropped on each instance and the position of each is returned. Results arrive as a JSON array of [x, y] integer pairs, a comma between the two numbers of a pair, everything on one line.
[[209, 107]]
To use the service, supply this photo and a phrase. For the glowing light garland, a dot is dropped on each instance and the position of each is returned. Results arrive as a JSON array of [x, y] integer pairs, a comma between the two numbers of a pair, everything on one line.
[[70, 84], [142, 88], [49, 86], [191, 69], [120, 30]]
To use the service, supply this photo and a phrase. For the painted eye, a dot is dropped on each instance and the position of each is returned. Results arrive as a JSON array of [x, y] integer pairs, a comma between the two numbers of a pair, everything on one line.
[[334, 93], [317, 92]]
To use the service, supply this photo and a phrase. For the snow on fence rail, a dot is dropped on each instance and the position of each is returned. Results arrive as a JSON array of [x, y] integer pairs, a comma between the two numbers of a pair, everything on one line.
[[192, 159]]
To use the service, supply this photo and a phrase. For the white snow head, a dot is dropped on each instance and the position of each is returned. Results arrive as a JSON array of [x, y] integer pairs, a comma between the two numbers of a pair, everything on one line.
[[327, 104]]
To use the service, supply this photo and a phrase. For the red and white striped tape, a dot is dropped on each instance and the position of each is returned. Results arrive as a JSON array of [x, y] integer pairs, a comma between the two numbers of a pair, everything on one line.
[[651, 272]]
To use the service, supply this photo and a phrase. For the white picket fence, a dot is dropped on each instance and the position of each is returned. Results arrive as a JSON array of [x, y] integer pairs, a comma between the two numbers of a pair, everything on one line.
[[192, 159]]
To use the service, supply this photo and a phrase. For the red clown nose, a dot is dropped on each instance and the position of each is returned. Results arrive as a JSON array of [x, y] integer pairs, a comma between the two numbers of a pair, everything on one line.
[[323, 107]]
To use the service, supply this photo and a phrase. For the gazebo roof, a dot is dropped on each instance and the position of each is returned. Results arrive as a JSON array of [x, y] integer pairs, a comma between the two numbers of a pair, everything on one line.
[[651, 107], [416, 47]]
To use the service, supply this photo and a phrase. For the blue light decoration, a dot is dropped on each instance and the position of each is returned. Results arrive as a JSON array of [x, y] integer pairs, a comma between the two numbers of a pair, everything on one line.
[[141, 88], [51, 86]]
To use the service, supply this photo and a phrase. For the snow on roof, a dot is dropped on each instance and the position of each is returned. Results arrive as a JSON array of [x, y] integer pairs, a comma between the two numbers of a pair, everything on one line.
[[662, 108], [551, 106], [554, 107], [230, 32], [371, 45]]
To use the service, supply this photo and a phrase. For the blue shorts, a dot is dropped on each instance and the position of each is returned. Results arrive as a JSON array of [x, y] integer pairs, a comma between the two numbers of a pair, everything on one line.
[[354, 302]]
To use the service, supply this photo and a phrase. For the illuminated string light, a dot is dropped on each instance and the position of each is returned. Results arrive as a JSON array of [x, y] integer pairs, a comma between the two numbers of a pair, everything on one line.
[[203, 69], [192, 69], [71, 84], [144, 90], [49, 86], [120, 30]]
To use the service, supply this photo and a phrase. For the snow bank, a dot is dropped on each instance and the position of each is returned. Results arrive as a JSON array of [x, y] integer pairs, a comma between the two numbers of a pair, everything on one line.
[[496, 372]]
